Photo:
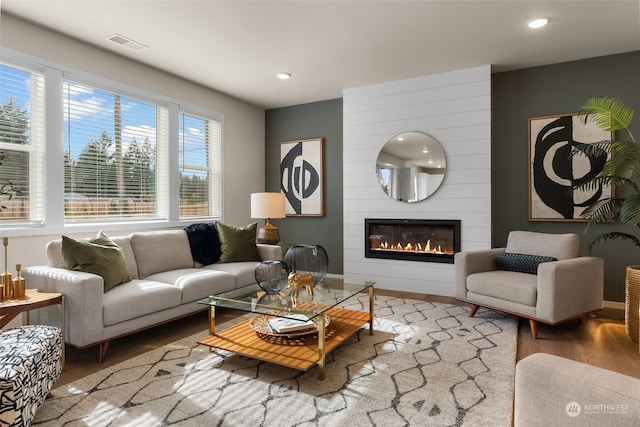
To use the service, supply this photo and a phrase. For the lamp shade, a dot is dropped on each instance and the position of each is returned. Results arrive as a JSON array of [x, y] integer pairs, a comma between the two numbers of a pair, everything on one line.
[[267, 205]]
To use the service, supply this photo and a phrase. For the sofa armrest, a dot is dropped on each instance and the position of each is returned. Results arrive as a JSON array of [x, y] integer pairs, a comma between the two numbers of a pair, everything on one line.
[[553, 391], [269, 251], [82, 293], [569, 288], [470, 262]]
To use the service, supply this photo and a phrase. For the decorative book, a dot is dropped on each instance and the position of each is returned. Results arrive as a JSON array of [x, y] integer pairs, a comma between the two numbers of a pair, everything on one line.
[[294, 322]]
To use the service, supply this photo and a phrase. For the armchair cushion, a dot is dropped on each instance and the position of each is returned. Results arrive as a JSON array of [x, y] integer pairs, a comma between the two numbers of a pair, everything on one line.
[[523, 263], [505, 285], [560, 246]]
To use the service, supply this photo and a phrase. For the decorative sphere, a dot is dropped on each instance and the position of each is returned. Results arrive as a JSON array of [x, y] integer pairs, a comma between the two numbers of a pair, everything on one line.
[[308, 259], [272, 276]]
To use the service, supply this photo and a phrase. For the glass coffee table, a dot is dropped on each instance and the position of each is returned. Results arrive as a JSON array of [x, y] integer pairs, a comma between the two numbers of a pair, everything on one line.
[[298, 348]]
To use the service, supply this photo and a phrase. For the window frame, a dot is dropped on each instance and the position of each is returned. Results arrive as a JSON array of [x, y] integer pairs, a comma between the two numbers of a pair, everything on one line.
[[36, 148], [167, 192], [214, 163]]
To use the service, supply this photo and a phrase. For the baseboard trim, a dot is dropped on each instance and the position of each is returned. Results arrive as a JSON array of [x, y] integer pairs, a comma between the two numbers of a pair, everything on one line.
[[613, 304]]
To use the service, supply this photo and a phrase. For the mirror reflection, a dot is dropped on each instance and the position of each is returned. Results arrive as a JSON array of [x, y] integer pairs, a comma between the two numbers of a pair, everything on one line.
[[410, 167]]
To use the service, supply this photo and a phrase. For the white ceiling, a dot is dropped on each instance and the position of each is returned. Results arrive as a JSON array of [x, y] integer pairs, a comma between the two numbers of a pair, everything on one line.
[[237, 47]]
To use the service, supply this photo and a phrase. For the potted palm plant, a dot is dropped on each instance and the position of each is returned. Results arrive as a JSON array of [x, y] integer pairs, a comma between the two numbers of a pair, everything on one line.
[[621, 171]]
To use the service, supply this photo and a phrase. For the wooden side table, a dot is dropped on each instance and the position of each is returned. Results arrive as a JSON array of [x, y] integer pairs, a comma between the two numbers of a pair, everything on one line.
[[32, 300]]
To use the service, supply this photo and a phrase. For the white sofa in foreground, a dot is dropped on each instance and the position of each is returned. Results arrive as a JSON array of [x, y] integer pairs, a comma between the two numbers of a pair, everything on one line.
[[166, 284], [554, 391]]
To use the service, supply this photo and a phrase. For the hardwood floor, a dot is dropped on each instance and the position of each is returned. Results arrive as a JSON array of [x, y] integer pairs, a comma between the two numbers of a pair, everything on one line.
[[598, 340]]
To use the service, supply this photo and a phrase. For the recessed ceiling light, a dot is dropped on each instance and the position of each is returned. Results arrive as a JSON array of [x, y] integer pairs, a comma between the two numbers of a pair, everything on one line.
[[538, 22], [284, 76]]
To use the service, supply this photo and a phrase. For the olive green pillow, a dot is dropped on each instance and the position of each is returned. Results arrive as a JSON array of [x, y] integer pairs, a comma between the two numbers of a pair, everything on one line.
[[99, 255], [238, 244]]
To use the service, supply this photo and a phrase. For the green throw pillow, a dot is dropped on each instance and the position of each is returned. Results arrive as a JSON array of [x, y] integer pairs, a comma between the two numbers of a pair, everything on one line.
[[238, 244], [99, 255]]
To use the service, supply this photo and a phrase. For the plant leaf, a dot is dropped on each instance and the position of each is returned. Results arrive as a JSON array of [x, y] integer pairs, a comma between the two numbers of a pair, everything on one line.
[[610, 114], [611, 236]]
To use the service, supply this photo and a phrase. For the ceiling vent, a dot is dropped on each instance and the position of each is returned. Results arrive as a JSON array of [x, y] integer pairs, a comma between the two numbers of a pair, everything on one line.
[[126, 42]]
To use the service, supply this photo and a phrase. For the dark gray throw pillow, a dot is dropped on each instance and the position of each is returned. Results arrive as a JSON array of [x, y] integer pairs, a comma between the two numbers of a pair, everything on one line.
[[522, 263]]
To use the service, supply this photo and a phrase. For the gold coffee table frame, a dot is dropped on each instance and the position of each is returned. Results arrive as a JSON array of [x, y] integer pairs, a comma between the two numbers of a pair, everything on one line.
[[296, 352]]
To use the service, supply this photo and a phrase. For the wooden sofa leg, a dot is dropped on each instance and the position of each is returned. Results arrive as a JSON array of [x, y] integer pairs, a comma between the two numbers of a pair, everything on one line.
[[104, 347], [474, 310], [534, 328]]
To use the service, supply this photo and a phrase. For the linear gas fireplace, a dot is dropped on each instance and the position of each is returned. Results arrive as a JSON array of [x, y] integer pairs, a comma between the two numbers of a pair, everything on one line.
[[427, 240]]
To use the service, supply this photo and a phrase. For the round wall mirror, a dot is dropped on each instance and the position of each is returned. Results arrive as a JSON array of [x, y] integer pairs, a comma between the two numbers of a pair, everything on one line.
[[410, 167]]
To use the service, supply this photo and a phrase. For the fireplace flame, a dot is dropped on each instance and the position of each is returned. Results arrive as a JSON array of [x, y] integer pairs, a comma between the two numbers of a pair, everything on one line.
[[410, 247]]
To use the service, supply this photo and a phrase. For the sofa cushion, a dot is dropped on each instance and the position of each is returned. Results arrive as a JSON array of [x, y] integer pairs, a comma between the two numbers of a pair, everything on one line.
[[125, 244], [196, 283], [138, 298], [238, 244], [523, 263], [520, 288], [204, 242], [100, 256], [243, 272], [158, 251]]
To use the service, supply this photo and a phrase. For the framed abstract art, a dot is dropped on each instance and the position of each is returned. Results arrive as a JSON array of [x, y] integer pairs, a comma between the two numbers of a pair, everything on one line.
[[302, 176], [557, 166]]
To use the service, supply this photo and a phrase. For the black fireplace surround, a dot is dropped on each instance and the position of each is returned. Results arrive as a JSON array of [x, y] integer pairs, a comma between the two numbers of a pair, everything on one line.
[[426, 240]]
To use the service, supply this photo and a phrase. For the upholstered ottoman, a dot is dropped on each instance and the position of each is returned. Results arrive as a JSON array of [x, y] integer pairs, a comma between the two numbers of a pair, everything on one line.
[[30, 364]]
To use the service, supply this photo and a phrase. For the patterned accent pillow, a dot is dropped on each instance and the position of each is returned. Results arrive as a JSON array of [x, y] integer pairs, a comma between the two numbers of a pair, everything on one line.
[[522, 263]]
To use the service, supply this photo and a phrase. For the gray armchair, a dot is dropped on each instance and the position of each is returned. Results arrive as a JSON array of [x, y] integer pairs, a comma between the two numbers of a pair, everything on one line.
[[551, 292]]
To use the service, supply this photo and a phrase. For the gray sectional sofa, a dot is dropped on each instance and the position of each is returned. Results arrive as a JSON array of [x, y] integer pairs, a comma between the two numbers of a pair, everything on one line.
[[165, 285]]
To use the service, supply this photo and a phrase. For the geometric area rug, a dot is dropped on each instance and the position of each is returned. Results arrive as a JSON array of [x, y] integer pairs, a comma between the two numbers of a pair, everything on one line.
[[427, 364]]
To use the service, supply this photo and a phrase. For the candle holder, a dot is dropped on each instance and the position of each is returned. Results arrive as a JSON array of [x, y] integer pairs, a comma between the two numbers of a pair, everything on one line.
[[19, 284], [7, 288]]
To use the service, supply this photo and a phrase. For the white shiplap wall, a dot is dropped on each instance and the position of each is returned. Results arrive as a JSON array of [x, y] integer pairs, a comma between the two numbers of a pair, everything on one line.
[[455, 109]]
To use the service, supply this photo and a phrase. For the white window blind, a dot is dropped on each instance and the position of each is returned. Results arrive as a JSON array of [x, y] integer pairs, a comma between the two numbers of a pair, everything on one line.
[[22, 151], [110, 168], [200, 163]]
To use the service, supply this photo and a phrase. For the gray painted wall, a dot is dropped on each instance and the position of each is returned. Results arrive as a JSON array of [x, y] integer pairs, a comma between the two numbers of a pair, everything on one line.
[[516, 96], [315, 120], [555, 89]]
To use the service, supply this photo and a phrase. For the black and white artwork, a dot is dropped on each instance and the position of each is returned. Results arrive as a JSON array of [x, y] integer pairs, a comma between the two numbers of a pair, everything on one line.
[[301, 177], [557, 167]]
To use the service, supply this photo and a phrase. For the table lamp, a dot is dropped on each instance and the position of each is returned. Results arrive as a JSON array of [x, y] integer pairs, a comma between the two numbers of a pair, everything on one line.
[[267, 206]]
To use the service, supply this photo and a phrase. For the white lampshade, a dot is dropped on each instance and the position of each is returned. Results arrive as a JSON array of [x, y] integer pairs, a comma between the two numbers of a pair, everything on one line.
[[268, 205]]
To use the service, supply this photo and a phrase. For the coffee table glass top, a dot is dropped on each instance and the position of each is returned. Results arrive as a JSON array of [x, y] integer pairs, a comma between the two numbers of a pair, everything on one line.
[[329, 293]]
